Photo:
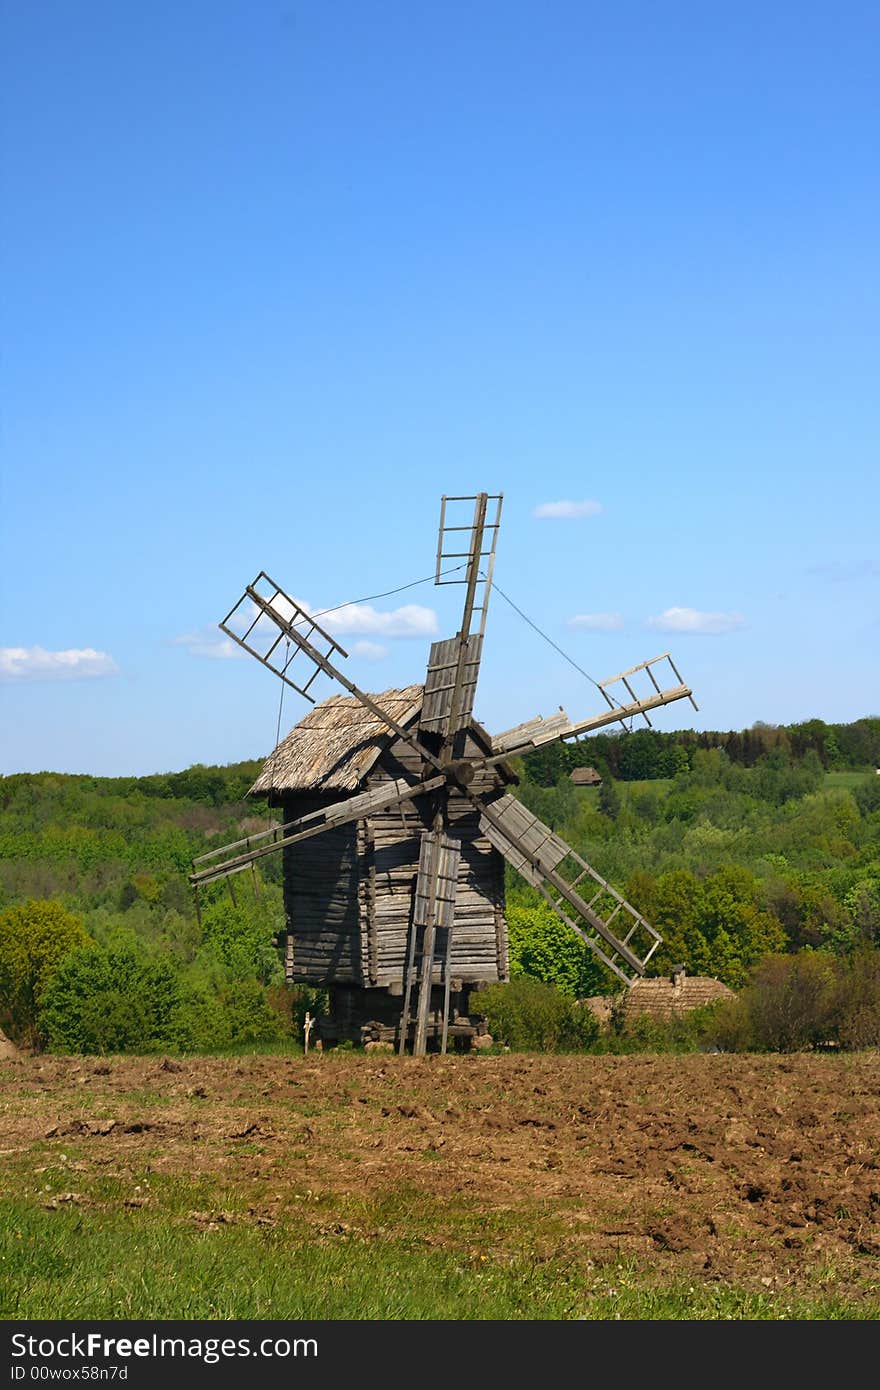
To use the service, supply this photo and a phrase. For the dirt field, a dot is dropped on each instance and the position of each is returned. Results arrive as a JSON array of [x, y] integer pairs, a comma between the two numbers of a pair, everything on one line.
[[760, 1172]]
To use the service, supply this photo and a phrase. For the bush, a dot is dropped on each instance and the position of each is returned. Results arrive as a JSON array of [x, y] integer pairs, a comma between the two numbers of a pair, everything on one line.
[[530, 1016], [35, 940], [867, 795], [640, 1032], [239, 937], [856, 1007], [790, 1004], [217, 1020], [112, 999], [730, 1027], [542, 946]]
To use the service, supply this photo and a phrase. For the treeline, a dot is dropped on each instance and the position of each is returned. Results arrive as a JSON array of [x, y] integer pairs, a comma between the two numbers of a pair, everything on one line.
[[101, 947], [735, 863], [731, 864], [645, 754]]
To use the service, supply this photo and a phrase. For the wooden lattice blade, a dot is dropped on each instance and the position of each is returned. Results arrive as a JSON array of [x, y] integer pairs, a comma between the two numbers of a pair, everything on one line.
[[352, 808], [271, 626], [437, 880], [437, 715], [539, 854], [433, 915]]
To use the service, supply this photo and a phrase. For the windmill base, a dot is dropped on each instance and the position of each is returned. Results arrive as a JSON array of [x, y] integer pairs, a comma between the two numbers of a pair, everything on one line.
[[363, 1016]]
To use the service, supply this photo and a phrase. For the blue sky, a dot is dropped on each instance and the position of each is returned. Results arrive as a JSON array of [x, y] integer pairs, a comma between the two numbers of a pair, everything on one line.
[[277, 276]]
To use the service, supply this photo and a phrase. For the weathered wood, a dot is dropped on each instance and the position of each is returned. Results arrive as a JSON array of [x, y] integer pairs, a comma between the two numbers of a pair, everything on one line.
[[533, 853], [441, 684]]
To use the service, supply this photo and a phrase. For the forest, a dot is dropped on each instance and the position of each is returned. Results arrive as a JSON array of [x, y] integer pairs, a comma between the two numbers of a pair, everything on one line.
[[752, 852]]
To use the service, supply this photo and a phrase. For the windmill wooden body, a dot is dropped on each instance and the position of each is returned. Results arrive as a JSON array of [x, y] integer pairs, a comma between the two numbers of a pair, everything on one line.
[[398, 908]]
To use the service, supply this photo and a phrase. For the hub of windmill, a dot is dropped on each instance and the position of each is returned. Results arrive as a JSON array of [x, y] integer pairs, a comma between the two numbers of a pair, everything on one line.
[[462, 772]]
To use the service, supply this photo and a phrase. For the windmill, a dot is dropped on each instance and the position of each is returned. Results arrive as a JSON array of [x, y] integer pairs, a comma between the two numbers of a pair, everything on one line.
[[402, 911]]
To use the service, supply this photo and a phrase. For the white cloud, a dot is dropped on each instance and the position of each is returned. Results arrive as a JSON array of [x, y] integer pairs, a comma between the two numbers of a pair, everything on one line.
[[355, 618], [361, 619], [568, 509], [692, 620], [36, 664], [597, 622], [370, 651], [210, 644]]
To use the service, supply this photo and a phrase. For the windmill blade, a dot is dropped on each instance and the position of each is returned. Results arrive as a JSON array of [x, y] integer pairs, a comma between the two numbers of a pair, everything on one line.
[[432, 920], [282, 618], [537, 853], [536, 733], [381, 798], [264, 617], [450, 685], [454, 663]]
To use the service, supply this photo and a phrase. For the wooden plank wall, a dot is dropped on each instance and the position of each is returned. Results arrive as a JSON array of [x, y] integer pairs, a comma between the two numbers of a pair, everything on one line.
[[321, 899], [479, 945], [348, 893]]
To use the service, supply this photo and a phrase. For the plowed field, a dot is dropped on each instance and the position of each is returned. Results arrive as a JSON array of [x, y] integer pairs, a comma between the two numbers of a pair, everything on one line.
[[761, 1173]]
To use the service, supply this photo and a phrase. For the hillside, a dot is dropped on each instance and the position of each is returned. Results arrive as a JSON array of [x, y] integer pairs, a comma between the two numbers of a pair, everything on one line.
[[732, 857]]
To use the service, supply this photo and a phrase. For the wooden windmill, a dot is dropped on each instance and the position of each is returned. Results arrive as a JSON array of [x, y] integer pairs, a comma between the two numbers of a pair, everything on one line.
[[399, 910]]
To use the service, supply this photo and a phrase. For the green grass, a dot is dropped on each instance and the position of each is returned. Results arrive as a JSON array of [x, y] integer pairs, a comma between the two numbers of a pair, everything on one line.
[[68, 1264], [164, 1261], [845, 778]]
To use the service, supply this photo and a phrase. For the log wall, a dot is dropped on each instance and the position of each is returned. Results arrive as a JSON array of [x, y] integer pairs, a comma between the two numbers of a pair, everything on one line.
[[321, 899], [349, 892]]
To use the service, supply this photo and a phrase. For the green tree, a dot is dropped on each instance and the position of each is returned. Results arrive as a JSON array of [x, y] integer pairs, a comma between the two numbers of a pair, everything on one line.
[[239, 936], [35, 940], [543, 947], [112, 999], [609, 799], [531, 1016]]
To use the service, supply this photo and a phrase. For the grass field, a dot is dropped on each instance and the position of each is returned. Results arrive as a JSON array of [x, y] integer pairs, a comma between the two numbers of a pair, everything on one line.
[[844, 779], [371, 1187]]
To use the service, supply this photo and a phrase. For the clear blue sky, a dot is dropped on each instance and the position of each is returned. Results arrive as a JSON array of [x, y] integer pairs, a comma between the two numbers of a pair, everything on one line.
[[276, 276]]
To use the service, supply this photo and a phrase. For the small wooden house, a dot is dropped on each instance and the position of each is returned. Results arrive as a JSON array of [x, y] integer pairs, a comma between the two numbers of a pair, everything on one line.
[[348, 893], [586, 777]]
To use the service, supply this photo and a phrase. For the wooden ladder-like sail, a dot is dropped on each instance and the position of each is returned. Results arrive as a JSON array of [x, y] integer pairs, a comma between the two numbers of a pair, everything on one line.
[[430, 938]]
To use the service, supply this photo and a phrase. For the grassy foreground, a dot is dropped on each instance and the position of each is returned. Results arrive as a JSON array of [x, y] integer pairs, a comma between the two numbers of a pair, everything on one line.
[[198, 1249], [379, 1188]]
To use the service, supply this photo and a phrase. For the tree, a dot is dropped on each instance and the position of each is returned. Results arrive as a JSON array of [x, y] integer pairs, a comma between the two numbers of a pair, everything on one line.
[[543, 947], [35, 940], [239, 936], [112, 999], [609, 799]]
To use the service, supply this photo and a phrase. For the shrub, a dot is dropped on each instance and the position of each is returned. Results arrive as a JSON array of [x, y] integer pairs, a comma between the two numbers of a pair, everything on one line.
[[856, 1006], [35, 940], [790, 1002], [867, 794], [530, 1016], [239, 937], [112, 999], [215, 1020], [640, 1032], [542, 946]]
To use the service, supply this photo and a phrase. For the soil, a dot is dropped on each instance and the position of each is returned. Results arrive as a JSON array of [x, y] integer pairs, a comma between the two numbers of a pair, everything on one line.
[[754, 1171]]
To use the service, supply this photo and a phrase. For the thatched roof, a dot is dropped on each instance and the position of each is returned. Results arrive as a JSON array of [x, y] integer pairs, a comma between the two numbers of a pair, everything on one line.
[[664, 997], [336, 745], [586, 777], [676, 993]]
